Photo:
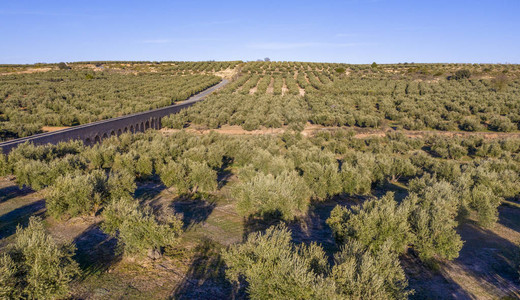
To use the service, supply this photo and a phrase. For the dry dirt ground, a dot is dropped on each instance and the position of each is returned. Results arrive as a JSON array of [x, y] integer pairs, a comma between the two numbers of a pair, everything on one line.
[[311, 129], [270, 88], [53, 128], [228, 74], [28, 71]]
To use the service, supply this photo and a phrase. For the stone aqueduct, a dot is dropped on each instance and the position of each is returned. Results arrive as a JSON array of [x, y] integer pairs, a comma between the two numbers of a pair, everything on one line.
[[92, 133], [143, 125]]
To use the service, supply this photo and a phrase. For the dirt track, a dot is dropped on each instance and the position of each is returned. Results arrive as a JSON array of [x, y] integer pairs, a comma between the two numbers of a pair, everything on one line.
[[310, 130]]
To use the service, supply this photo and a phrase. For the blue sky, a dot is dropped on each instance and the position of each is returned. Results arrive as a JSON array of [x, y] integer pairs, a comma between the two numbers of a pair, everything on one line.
[[350, 31]]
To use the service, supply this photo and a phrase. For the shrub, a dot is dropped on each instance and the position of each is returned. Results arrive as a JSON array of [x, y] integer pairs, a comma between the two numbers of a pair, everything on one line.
[[34, 266], [482, 190], [376, 222], [361, 274], [202, 177], [461, 74], [120, 184], [486, 203], [175, 174], [323, 179], [32, 173], [276, 269], [355, 180], [285, 196], [503, 124], [137, 230], [500, 82], [76, 194], [340, 70], [4, 167], [434, 208], [470, 124], [189, 176], [63, 66]]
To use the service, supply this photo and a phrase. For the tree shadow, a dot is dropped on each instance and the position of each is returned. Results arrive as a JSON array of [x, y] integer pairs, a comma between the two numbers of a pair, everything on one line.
[[399, 192], [147, 191], [96, 251], [13, 191], [224, 173], [314, 228], [508, 216], [490, 258], [195, 209], [20, 216], [205, 278], [428, 283], [257, 223]]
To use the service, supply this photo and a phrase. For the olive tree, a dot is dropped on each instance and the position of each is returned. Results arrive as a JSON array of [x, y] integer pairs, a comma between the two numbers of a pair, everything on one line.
[[76, 194], [272, 267], [434, 209], [137, 229], [34, 266], [376, 222], [189, 176], [285, 196], [363, 274]]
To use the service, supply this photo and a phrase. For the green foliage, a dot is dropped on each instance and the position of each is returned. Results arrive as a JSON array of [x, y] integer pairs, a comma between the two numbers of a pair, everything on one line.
[[500, 82], [74, 195], [462, 74], [63, 66], [323, 179], [285, 196], [361, 274], [471, 124], [340, 70], [4, 167], [434, 209], [34, 266], [137, 230], [407, 96], [376, 223], [275, 268], [501, 123], [39, 174], [189, 176], [120, 184], [77, 194]]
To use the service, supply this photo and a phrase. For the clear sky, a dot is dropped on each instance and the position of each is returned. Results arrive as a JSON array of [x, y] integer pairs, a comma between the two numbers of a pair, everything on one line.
[[350, 31]]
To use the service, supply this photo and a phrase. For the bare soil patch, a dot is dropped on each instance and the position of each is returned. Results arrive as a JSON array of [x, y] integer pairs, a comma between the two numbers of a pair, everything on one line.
[[53, 128], [284, 87], [270, 88], [228, 73], [302, 91], [361, 133], [28, 71]]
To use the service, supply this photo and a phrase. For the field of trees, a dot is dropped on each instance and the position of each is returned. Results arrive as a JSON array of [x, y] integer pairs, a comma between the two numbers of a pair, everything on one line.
[[432, 97], [76, 95], [333, 214]]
